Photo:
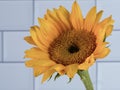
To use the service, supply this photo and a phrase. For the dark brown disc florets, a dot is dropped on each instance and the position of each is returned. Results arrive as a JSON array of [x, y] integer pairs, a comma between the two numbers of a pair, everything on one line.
[[72, 47]]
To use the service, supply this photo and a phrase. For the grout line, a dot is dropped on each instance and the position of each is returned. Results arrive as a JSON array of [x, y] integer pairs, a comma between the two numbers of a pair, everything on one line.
[[116, 29], [33, 82], [2, 47], [33, 11], [33, 24], [108, 61], [57, 0], [13, 62], [96, 75]]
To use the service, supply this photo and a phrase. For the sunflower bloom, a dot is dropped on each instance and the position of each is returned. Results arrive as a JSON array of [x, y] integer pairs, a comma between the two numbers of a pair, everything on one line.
[[65, 42]]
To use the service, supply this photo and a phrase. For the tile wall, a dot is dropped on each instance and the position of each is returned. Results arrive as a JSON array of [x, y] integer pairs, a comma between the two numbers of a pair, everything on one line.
[[17, 16]]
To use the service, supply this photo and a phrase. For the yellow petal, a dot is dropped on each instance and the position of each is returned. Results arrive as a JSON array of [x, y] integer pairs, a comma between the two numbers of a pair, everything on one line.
[[107, 21], [53, 15], [38, 70], [36, 40], [100, 47], [90, 19], [101, 35], [98, 16], [44, 38], [29, 40], [46, 63], [33, 63], [71, 70], [109, 30], [76, 17], [47, 33], [54, 22], [103, 53], [36, 53], [64, 17], [88, 62], [102, 27], [30, 63], [40, 20], [64, 11], [47, 74], [59, 68]]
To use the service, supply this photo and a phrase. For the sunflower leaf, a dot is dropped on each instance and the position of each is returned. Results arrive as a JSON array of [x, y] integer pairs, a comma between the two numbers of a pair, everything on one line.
[[70, 79], [50, 78], [56, 76], [104, 38]]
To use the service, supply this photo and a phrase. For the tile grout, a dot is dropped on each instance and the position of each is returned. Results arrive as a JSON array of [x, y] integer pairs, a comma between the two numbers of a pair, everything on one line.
[[33, 11], [96, 62], [108, 61], [96, 75], [118, 30], [33, 24], [33, 82], [13, 61], [2, 46]]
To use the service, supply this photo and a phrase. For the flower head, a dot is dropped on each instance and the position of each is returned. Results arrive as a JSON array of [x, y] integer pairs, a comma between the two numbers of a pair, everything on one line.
[[66, 42]]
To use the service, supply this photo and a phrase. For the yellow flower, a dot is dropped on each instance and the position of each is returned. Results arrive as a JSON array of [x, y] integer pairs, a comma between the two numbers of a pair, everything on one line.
[[66, 42]]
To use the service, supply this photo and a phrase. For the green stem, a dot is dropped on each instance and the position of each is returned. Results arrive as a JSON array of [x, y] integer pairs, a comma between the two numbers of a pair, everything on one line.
[[86, 79]]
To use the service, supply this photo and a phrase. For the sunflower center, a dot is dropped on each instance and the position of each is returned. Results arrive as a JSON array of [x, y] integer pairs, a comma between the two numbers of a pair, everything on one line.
[[72, 47]]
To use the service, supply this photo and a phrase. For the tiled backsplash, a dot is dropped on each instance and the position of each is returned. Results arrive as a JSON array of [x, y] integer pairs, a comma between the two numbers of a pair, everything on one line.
[[17, 16]]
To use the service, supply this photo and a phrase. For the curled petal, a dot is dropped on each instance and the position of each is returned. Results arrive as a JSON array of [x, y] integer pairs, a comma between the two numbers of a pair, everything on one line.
[[100, 47], [59, 68], [109, 30], [71, 70], [102, 53], [47, 74], [38, 70], [88, 62]]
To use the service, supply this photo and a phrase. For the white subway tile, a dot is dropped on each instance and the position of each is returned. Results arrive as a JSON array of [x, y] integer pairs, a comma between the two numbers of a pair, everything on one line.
[[15, 76], [14, 46], [42, 6], [61, 83], [16, 15], [110, 8], [109, 76]]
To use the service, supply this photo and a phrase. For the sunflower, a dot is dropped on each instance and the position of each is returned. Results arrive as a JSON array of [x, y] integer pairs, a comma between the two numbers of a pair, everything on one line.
[[65, 42]]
